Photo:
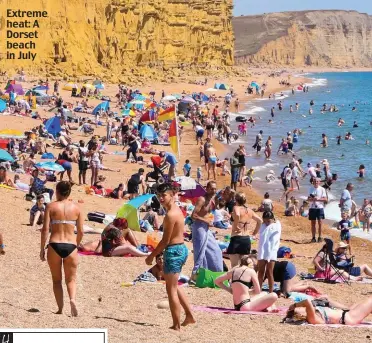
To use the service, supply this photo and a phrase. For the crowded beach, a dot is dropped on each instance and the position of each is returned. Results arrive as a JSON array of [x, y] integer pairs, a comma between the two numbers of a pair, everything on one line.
[[94, 171]]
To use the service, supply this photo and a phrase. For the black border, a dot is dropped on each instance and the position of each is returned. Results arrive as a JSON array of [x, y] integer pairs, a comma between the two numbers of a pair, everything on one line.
[[28, 332]]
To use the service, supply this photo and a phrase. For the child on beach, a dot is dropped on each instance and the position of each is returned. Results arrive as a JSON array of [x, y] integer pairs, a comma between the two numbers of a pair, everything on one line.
[[266, 204], [175, 255], [157, 269], [362, 170], [249, 178], [187, 168], [367, 212], [223, 165], [201, 152], [37, 212], [344, 225], [221, 216], [304, 209], [291, 208], [199, 174]]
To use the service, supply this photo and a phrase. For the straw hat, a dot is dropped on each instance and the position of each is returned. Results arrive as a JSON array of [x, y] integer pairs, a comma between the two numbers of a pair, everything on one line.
[[342, 245]]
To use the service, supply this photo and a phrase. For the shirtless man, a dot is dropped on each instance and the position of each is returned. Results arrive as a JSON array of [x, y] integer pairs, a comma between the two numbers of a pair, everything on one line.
[[207, 254], [212, 160], [175, 255]]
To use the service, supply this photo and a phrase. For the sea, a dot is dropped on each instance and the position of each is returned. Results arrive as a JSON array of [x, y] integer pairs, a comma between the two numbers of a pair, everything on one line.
[[345, 90]]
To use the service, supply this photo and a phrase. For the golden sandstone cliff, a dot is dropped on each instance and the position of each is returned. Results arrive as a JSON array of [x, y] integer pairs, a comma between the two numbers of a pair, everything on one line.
[[124, 39], [310, 38]]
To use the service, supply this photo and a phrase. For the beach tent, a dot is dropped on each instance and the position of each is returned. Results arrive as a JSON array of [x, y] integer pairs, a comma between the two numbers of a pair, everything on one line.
[[99, 86], [5, 156], [255, 84], [129, 211], [53, 126], [16, 88], [169, 98], [200, 97], [2, 105], [222, 86], [148, 132], [102, 106], [52, 166]]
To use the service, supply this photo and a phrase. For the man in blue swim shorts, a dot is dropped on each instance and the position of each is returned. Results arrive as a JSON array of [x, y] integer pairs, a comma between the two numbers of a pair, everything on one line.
[[175, 254]]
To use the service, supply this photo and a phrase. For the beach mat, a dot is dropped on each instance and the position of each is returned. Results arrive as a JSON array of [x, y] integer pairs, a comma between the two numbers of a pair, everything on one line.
[[211, 309]]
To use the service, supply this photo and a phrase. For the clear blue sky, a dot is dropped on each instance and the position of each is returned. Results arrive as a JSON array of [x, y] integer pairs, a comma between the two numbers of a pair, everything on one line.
[[247, 7]]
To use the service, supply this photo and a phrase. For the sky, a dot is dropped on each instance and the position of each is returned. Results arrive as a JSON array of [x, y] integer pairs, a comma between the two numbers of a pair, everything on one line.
[[248, 7]]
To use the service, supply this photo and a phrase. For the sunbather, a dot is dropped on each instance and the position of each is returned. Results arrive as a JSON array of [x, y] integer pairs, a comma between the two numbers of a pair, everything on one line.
[[325, 315], [157, 269], [241, 280]]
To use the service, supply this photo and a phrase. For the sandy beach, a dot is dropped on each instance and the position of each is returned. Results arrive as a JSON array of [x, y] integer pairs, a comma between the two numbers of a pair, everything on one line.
[[130, 313]]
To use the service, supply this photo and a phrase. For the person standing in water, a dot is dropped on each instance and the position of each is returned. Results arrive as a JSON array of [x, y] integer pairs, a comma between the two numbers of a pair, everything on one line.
[[175, 255], [324, 143], [61, 217]]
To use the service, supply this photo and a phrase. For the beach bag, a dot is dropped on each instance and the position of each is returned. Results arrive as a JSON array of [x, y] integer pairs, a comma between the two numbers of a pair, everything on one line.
[[97, 217], [205, 278], [283, 252]]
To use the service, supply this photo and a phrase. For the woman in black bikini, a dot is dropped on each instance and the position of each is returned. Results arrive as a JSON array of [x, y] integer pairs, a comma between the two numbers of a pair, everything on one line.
[[62, 216], [240, 243], [326, 315], [245, 288]]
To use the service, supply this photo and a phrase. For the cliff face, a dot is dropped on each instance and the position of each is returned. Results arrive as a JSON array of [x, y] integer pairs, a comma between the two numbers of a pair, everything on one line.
[[310, 38], [124, 39]]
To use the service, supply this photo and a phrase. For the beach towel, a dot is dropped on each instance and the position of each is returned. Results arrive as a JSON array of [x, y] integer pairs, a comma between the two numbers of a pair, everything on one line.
[[212, 309], [365, 325], [207, 253]]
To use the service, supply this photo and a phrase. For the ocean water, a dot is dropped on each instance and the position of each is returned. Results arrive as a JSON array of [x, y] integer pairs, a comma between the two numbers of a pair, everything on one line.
[[345, 90]]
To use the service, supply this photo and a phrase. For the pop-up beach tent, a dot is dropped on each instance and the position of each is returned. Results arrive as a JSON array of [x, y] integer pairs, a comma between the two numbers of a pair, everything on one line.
[[102, 106], [129, 211], [53, 126], [222, 86], [148, 132]]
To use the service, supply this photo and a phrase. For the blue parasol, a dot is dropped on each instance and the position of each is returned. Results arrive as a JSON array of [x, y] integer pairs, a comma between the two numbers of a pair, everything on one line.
[[52, 166], [5, 156]]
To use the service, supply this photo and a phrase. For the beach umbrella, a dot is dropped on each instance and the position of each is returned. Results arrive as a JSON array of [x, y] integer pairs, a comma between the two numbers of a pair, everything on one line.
[[137, 102], [255, 84], [52, 166], [89, 86], [69, 86], [129, 211], [16, 88], [102, 106], [140, 97], [177, 96], [2, 105], [128, 113], [188, 100], [169, 98], [40, 88], [11, 133], [5, 156], [190, 188]]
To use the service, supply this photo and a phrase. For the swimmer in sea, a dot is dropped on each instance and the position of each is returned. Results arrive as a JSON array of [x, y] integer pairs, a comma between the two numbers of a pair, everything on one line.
[[324, 143], [310, 110], [355, 124], [338, 140], [290, 109], [348, 136], [361, 171], [340, 122], [297, 106], [353, 109], [367, 142]]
